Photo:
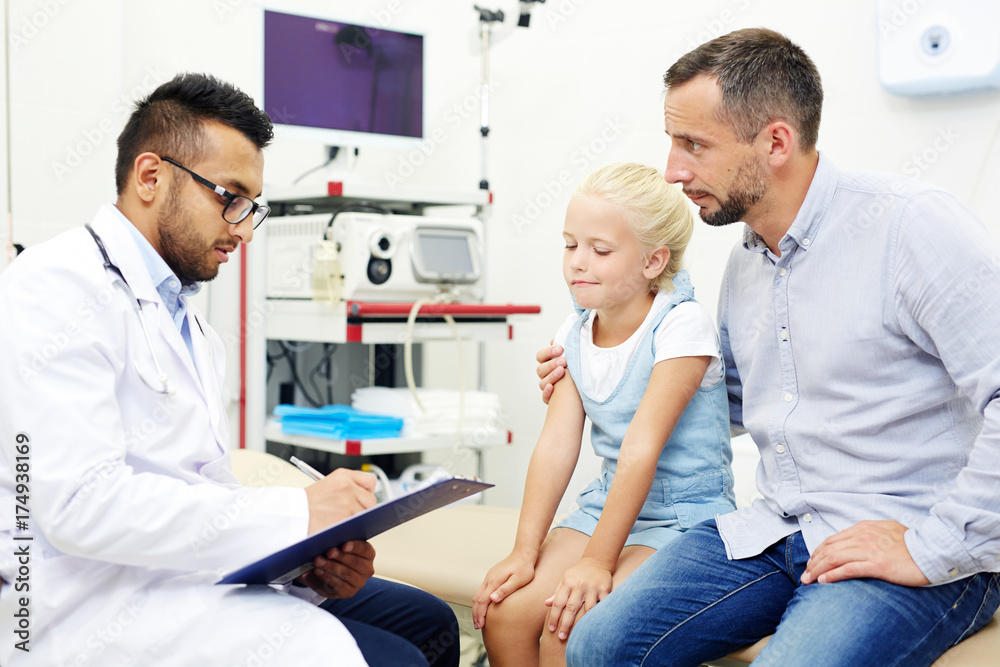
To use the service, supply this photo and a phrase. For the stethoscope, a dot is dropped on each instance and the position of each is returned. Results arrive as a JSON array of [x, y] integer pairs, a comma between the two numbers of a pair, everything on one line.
[[160, 384]]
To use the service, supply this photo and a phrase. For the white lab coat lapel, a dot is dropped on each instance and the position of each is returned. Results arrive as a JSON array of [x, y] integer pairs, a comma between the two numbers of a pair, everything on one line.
[[207, 371], [121, 248]]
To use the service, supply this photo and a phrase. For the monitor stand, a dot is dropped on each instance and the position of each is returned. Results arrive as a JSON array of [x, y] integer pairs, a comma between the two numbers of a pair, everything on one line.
[[342, 165]]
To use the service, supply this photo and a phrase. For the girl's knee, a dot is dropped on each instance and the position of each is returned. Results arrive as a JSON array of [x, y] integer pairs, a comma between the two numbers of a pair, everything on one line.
[[520, 611]]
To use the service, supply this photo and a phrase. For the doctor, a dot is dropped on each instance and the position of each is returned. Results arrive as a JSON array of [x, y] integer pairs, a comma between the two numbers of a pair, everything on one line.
[[118, 510]]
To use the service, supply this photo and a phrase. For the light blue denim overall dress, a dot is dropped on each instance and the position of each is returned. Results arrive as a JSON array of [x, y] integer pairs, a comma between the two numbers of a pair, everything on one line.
[[694, 479]]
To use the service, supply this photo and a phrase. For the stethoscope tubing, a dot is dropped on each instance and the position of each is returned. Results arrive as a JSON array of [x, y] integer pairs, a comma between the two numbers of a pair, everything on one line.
[[161, 377]]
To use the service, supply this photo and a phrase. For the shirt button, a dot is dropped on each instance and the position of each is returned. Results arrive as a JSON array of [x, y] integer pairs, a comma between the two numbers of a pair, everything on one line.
[[953, 572], [807, 517], [805, 241], [780, 449], [782, 271], [788, 398], [784, 335]]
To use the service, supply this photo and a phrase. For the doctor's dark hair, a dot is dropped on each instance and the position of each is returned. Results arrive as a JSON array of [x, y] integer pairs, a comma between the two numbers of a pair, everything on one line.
[[170, 121], [763, 77]]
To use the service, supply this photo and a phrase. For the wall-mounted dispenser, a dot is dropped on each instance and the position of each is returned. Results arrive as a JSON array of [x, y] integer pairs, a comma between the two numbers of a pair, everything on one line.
[[938, 47]]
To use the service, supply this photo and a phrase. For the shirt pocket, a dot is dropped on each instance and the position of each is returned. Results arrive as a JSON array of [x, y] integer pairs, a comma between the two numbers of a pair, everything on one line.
[[593, 495], [697, 498]]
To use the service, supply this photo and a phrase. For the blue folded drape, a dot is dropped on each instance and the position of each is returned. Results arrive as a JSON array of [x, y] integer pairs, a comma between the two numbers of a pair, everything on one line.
[[337, 422]]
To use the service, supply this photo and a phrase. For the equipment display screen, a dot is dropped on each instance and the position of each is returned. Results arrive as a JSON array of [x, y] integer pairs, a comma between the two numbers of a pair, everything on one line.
[[339, 76], [447, 255]]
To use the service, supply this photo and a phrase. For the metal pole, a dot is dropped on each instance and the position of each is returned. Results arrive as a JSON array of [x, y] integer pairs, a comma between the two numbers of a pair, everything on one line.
[[484, 126], [486, 20]]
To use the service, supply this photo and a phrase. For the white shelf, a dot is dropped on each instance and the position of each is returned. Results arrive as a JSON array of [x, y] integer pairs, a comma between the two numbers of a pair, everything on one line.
[[347, 191], [372, 447]]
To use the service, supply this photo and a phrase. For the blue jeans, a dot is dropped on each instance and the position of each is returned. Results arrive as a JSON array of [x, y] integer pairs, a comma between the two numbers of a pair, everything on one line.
[[398, 626], [688, 604]]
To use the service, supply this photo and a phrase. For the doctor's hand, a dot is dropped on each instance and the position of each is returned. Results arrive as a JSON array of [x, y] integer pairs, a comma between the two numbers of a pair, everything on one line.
[[343, 571], [581, 587], [868, 549], [504, 578], [551, 369], [340, 494]]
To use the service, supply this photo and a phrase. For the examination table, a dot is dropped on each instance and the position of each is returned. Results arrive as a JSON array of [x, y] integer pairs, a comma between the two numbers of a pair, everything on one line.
[[448, 552]]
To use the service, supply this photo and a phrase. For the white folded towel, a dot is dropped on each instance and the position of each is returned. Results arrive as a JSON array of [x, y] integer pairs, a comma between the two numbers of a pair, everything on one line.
[[441, 415]]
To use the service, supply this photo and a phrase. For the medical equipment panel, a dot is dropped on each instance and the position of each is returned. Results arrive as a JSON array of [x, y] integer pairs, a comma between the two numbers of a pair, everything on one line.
[[360, 256]]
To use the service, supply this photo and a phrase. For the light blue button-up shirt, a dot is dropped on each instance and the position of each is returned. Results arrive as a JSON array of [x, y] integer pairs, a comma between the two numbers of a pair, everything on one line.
[[865, 363], [168, 285]]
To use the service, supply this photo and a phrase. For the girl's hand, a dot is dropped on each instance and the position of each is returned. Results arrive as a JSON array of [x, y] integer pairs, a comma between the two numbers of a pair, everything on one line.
[[581, 587], [504, 578]]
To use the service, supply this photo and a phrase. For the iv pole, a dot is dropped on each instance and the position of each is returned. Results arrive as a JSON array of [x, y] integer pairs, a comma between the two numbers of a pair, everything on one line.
[[486, 20]]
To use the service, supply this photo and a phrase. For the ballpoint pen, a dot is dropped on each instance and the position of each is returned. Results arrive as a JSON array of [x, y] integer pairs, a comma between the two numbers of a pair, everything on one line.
[[306, 468]]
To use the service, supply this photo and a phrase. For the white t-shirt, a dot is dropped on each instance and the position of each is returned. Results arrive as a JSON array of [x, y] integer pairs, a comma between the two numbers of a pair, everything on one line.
[[686, 331]]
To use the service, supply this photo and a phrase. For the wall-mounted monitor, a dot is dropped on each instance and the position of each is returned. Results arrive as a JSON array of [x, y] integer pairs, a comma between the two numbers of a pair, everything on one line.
[[343, 84]]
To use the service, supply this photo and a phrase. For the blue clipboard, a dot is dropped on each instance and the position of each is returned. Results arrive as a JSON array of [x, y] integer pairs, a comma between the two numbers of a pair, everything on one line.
[[287, 564]]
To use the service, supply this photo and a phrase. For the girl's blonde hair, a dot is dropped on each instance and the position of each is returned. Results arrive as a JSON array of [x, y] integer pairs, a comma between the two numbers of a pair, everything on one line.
[[657, 212]]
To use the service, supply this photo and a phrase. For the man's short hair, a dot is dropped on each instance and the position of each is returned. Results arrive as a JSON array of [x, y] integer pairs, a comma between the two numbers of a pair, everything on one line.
[[763, 77], [170, 122]]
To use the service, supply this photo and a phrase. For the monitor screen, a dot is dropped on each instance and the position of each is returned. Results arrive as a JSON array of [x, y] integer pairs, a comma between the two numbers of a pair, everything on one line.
[[353, 82], [445, 255]]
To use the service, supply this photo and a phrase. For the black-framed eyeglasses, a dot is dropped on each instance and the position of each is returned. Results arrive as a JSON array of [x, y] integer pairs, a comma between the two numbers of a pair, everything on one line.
[[237, 207]]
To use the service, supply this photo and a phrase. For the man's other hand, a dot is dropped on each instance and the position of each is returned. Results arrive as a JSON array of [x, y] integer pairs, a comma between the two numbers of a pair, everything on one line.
[[872, 549], [551, 369]]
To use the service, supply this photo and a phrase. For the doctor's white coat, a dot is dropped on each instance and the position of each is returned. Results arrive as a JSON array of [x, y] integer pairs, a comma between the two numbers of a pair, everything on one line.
[[133, 512]]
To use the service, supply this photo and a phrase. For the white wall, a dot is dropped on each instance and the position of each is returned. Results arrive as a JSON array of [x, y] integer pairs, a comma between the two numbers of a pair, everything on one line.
[[578, 89], [6, 248]]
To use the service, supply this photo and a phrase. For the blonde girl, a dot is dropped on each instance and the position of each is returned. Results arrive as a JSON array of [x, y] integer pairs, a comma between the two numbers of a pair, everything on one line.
[[644, 365]]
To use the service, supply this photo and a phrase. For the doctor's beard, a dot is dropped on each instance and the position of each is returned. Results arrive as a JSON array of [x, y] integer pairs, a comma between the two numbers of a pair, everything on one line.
[[188, 255]]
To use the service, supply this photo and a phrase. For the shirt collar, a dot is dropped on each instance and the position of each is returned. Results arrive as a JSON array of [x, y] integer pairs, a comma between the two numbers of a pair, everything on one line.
[[806, 226]]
